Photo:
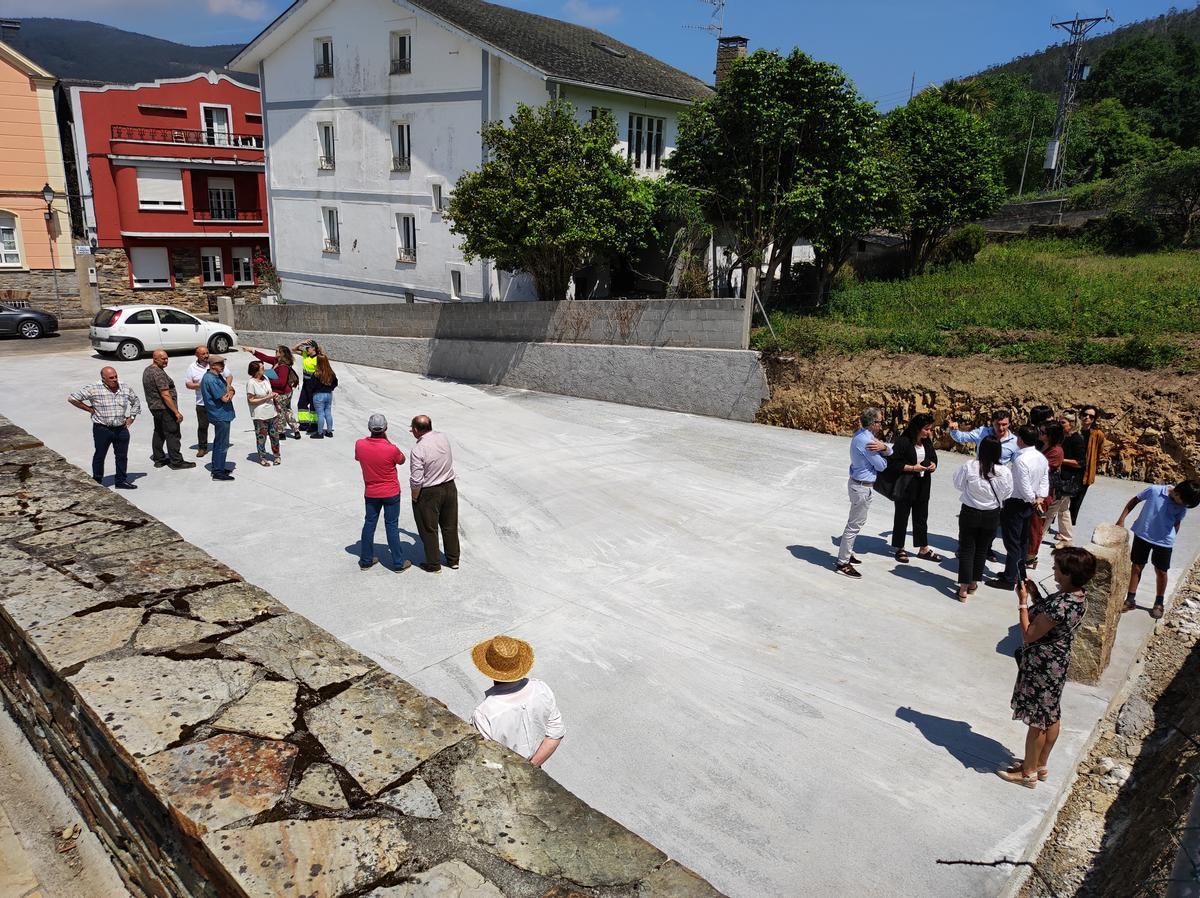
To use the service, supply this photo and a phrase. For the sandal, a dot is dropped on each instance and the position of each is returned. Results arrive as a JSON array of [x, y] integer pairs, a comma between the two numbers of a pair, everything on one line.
[[973, 587], [264, 463], [277, 461], [1017, 767], [962, 592], [1019, 778], [1158, 611], [902, 556], [930, 556]]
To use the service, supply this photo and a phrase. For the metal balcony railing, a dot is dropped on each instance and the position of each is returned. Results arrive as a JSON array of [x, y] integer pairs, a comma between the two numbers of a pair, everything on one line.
[[401, 163], [401, 66], [189, 136], [406, 255], [323, 70], [332, 246], [227, 213], [325, 163]]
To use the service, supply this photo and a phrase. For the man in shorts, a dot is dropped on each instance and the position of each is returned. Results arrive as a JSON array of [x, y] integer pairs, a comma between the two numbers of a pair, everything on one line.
[[1154, 535]]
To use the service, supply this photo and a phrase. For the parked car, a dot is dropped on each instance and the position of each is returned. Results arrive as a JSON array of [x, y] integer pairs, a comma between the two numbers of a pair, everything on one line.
[[26, 322], [130, 331]]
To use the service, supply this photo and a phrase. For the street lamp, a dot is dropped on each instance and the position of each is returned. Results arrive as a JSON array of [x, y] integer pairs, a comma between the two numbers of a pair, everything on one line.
[[48, 196]]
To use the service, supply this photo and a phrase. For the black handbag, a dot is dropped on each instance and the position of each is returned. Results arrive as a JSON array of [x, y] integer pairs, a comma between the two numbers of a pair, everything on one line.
[[885, 485]]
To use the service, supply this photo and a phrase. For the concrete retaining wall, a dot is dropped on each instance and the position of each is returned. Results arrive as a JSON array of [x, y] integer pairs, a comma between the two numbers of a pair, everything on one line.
[[697, 323], [223, 747], [722, 383]]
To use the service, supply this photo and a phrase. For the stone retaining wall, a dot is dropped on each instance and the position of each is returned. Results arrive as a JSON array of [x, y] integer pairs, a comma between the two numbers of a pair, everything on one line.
[[223, 747], [695, 323], [722, 383]]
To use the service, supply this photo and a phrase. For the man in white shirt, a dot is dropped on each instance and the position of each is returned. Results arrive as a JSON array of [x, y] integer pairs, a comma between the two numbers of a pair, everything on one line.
[[518, 711], [434, 494], [1031, 488]]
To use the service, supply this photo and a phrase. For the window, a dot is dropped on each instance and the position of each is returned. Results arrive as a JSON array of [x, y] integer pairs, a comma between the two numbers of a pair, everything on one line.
[[174, 316], [10, 255], [323, 46], [210, 266], [160, 188], [145, 316], [221, 203], [329, 219], [595, 112], [328, 145], [243, 268], [455, 284], [151, 267], [401, 53], [645, 142], [409, 296], [406, 238], [440, 203], [401, 147], [216, 125]]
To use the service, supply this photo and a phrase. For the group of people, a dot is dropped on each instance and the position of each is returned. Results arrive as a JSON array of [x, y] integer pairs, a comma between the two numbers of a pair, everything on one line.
[[1016, 483]]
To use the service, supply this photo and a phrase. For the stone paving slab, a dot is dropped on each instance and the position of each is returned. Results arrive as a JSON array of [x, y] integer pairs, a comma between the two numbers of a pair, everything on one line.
[[267, 710], [292, 647]]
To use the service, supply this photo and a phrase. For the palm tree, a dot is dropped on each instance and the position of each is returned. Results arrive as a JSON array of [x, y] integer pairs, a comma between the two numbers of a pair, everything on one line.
[[969, 94]]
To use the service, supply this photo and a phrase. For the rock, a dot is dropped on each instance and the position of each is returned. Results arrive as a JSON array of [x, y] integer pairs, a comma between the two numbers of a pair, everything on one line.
[[413, 799], [267, 710], [453, 879], [381, 728], [65, 538], [233, 603], [159, 569], [1104, 766], [166, 631], [145, 702], [320, 788], [1092, 647], [315, 858], [296, 649], [68, 641], [148, 536], [516, 812], [673, 880], [34, 594], [1136, 717], [222, 780], [1119, 774]]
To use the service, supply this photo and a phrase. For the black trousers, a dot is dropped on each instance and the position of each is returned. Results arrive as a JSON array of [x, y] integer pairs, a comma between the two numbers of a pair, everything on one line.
[[104, 436], [202, 428], [166, 430], [976, 530], [1014, 528], [437, 509], [919, 509], [1077, 503]]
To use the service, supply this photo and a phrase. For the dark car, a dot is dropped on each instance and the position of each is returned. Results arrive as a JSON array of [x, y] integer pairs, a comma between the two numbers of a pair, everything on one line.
[[24, 322]]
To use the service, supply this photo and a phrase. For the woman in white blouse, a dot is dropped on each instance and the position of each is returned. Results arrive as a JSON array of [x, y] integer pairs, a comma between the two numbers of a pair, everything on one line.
[[264, 414], [983, 485]]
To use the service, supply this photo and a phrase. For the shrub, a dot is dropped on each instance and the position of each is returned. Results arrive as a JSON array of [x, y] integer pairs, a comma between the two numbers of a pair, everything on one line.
[[962, 246], [1124, 231]]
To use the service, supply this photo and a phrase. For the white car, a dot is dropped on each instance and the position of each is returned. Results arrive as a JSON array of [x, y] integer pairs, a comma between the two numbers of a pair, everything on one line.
[[130, 331]]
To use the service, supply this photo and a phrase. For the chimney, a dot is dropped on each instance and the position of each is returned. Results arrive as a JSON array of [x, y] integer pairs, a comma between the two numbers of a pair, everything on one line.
[[729, 51]]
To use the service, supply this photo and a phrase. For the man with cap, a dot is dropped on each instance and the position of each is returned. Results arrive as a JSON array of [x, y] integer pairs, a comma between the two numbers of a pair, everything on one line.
[[518, 711], [217, 393], [379, 457]]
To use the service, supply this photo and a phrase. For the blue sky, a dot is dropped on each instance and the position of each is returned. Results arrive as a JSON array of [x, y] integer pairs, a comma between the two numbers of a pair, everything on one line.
[[879, 43]]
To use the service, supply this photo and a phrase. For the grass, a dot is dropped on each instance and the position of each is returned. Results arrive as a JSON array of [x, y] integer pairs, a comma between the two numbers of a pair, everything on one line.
[[1048, 300]]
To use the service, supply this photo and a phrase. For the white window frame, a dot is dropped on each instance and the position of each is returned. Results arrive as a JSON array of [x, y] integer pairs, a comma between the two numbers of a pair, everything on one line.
[[149, 283], [327, 145], [215, 139], [456, 288], [400, 52], [152, 205], [240, 255], [225, 185], [212, 252], [644, 141], [406, 237], [401, 145], [321, 58], [331, 229], [11, 258], [441, 200]]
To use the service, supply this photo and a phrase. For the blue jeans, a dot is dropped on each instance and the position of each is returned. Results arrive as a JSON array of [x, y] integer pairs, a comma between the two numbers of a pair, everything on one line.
[[323, 406], [102, 438], [391, 526], [220, 445]]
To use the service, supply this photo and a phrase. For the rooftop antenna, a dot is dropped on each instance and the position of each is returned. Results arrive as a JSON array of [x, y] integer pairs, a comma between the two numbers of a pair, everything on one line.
[[716, 24], [1077, 71]]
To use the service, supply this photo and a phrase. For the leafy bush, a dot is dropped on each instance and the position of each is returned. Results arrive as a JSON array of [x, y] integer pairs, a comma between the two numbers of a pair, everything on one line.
[[962, 246], [1124, 231], [1099, 194]]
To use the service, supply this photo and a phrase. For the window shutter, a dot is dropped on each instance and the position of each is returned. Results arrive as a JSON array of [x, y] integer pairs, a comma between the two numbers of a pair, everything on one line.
[[162, 188], [150, 266]]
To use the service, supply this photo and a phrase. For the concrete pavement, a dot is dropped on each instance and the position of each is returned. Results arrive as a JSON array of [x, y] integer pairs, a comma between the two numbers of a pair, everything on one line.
[[778, 728]]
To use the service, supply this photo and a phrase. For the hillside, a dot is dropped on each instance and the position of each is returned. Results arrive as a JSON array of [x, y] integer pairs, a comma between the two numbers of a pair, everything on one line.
[[1046, 66], [86, 51]]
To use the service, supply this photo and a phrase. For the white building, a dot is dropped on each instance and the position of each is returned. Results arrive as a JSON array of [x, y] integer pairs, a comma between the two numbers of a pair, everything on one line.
[[372, 109]]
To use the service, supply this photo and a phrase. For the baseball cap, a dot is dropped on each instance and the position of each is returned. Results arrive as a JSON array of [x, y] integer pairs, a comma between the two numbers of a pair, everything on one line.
[[377, 423]]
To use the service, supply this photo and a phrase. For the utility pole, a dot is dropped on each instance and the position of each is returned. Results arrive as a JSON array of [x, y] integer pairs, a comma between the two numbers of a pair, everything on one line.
[[912, 85], [1076, 72]]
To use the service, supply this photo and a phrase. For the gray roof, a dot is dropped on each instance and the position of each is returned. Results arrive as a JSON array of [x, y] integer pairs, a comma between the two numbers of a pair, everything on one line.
[[566, 51]]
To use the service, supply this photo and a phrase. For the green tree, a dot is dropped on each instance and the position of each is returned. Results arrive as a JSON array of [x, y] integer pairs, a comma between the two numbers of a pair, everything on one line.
[[552, 197], [1017, 110], [1105, 138], [1172, 186], [968, 94], [949, 170], [781, 151]]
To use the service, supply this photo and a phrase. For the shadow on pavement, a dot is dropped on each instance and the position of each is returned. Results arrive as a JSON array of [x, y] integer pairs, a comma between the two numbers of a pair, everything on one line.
[[974, 751]]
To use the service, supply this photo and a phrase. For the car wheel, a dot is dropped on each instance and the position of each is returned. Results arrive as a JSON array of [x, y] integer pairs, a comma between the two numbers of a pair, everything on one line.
[[129, 350], [30, 330], [220, 344]]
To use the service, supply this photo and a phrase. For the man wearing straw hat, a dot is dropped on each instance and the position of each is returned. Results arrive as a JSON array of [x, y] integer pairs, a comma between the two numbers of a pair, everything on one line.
[[518, 711]]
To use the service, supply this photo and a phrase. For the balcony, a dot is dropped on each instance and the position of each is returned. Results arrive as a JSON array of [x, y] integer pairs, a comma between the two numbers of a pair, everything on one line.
[[401, 163], [227, 213], [332, 246], [401, 66], [323, 70], [403, 254], [186, 137], [325, 163]]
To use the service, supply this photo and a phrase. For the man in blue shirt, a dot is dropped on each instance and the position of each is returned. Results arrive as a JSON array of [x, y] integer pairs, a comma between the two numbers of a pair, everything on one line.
[[217, 394], [867, 460], [1154, 535], [999, 428]]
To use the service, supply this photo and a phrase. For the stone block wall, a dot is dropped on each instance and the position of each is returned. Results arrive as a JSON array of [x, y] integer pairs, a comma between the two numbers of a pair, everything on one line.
[[189, 292], [223, 747], [1094, 640], [693, 323], [39, 285]]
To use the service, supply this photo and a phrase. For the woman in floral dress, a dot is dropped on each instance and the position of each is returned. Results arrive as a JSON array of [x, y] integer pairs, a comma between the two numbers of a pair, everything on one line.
[[1047, 630]]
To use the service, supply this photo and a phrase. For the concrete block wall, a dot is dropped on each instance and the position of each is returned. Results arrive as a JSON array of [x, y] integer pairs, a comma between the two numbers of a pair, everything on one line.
[[221, 746], [693, 323]]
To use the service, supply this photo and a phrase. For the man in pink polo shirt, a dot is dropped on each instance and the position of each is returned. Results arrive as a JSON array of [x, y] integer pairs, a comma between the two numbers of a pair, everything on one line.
[[378, 456]]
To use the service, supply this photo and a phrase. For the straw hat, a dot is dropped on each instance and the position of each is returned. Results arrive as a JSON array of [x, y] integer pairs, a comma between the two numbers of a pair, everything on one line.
[[503, 658]]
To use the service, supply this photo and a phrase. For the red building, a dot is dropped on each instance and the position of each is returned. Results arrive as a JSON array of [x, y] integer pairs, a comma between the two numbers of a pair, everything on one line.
[[174, 195]]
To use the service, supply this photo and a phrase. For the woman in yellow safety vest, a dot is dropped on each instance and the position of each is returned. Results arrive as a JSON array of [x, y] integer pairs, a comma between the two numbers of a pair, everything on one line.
[[304, 408]]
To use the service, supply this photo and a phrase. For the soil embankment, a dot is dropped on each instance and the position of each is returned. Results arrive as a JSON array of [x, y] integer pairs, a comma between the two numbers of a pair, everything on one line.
[[1150, 418]]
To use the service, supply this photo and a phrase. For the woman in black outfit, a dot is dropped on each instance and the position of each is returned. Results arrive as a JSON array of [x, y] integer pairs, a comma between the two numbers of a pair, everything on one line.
[[912, 463]]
